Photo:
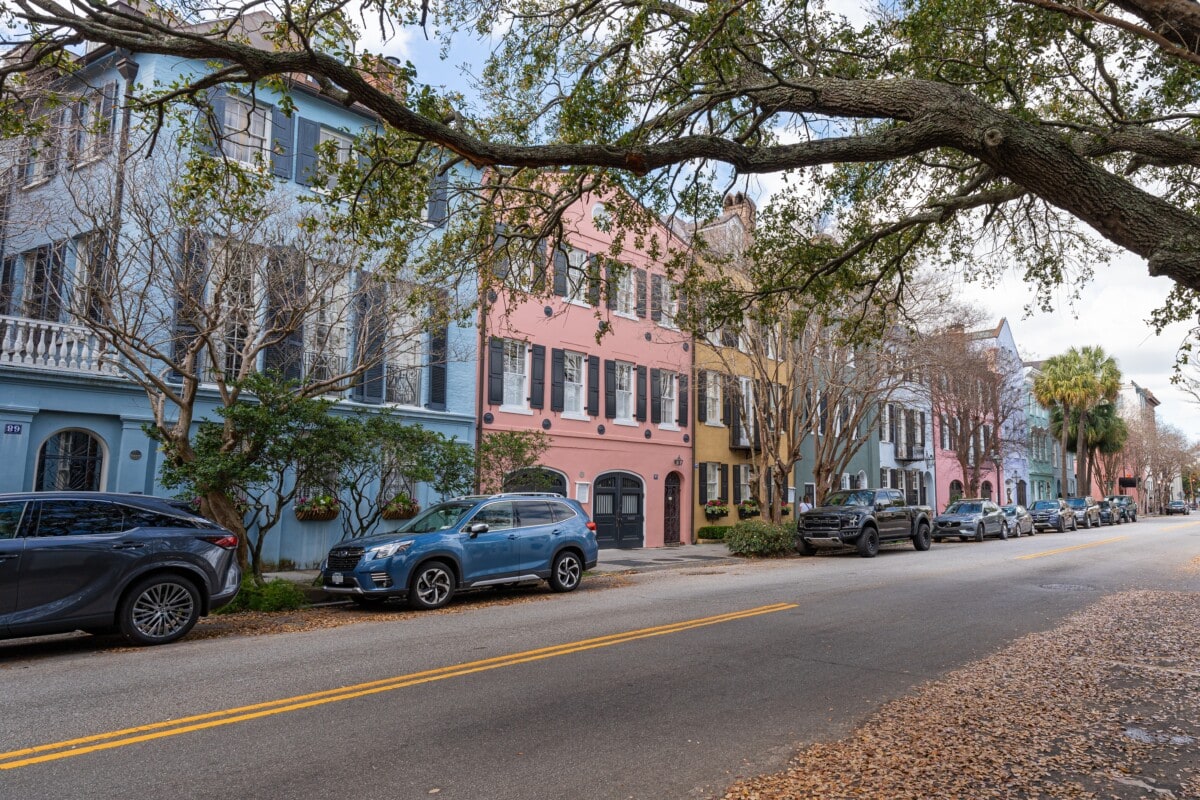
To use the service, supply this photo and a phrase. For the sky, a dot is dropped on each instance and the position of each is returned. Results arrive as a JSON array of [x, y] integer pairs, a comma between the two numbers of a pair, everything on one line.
[[1111, 311]]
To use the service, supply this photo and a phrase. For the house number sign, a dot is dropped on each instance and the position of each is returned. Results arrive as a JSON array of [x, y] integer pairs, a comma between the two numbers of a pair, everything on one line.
[[12, 427]]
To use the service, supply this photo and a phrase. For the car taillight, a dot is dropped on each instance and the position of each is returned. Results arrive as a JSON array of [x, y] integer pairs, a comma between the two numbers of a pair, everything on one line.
[[591, 526], [227, 542]]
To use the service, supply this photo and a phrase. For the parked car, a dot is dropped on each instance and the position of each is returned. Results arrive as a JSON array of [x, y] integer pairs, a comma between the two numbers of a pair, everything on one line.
[[105, 562], [1019, 520], [1128, 507], [467, 543], [1052, 515], [1177, 507], [1087, 513], [1110, 513], [966, 519], [863, 519]]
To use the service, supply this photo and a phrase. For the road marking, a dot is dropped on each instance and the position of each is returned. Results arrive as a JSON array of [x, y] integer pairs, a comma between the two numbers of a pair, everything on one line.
[[1069, 549], [159, 730]]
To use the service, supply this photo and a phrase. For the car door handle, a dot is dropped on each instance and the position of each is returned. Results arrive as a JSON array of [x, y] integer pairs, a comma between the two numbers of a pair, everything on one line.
[[128, 546], [512, 536], [556, 532], [8, 558]]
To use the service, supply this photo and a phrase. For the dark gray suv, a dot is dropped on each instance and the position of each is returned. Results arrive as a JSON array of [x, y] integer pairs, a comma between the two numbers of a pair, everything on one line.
[[105, 562]]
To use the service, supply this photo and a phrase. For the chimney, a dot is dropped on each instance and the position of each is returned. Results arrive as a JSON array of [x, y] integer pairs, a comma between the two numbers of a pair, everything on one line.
[[742, 206]]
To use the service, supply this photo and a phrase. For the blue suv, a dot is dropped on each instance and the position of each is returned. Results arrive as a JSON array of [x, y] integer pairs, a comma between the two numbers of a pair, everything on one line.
[[465, 543]]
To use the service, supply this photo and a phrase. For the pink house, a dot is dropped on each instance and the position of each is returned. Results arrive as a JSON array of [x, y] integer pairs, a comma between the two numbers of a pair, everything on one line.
[[616, 409]]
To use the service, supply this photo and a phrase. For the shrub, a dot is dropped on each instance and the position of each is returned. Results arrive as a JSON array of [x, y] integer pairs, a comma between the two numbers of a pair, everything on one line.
[[276, 595], [757, 537], [711, 532]]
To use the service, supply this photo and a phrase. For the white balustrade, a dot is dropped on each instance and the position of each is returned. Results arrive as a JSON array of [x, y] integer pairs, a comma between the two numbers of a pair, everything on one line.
[[42, 344]]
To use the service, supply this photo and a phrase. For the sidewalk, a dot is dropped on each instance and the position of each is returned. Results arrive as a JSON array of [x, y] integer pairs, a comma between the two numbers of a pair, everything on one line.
[[641, 559]]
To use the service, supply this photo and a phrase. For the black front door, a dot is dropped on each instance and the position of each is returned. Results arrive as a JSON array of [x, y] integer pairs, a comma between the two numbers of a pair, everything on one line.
[[671, 509], [617, 510]]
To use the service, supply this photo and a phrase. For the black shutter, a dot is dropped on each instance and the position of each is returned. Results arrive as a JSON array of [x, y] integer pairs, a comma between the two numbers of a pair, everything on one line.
[[212, 124], [640, 413], [538, 284], [655, 396], [500, 264], [438, 347], [594, 279], [892, 423], [682, 393], [283, 148], [495, 372], [735, 416], [921, 435], [656, 284], [703, 482], [106, 121], [724, 482], [371, 333], [285, 299], [537, 382], [560, 271], [702, 396], [610, 389], [438, 207], [610, 283], [737, 483], [726, 400], [557, 381], [593, 386], [308, 136], [641, 293], [189, 295]]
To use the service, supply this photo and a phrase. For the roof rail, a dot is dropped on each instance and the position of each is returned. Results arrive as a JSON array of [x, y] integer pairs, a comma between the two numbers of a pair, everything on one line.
[[528, 494]]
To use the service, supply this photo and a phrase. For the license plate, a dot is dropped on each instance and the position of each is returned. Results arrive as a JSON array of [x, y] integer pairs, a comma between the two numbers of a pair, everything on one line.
[[336, 578]]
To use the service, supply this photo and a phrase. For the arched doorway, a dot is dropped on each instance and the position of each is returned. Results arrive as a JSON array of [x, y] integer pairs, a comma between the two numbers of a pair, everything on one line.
[[672, 488], [985, 490], [956, 490], [1022, 493], [536, 479], [618, 510], [70, 461]]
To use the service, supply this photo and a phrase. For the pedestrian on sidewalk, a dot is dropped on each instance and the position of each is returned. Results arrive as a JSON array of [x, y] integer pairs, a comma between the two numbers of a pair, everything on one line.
[[805, 504]]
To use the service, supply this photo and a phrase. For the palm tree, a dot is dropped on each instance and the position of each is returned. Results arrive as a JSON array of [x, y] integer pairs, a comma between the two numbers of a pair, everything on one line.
[[1053, 389], [1098, 381]]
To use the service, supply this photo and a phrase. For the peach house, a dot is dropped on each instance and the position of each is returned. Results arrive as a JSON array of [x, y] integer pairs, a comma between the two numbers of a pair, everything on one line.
[[616, 408]]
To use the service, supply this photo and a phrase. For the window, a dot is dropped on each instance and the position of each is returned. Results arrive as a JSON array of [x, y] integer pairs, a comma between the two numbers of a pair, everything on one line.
[[626, 291], [8, 282], [574, 398], [742, 471], [234, 283], [515, 393], [531, 513], [845, 480], [45, 270], [337, 142], [39, 162], [749, 418], [561, 513], [713, 481], [93, 125], [10, 519], [69, 461], [79, 518], [497, 516], [712, 397], [577, 265], [666, 387], [624, 392], [247, 130], [668, 302]]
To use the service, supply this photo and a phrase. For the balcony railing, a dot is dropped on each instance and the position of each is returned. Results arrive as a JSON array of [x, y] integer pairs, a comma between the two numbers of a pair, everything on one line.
[[53, 345], [402, 384]]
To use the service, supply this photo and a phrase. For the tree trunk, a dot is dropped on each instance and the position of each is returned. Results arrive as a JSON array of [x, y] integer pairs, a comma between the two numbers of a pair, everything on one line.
[[1062, 435], [221, 509], [1081, 487]]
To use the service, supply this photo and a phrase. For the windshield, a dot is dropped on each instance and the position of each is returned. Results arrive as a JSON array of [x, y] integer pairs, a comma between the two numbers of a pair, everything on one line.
[[1010, 511], [1045, 505], [964, 508], [1175, 503], [860, 498], [438, 518], [1076, 502]]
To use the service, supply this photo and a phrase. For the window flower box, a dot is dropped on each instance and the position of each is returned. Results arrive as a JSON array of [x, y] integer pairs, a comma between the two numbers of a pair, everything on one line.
[[715, 509], [401, 507], [319, 508]]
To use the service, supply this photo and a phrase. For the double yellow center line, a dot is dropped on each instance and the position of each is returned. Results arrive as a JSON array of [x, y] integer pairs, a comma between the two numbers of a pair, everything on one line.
[[1069, 549], [160, 730]]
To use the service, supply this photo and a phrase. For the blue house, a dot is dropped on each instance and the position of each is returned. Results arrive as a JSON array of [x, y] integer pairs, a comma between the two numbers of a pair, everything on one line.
[[95, 237]]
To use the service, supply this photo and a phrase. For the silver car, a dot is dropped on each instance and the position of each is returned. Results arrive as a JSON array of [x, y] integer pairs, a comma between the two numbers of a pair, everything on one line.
[[973, 518]]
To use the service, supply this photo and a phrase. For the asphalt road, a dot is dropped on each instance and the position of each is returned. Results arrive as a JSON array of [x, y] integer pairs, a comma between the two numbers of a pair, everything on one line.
[[668, 687]]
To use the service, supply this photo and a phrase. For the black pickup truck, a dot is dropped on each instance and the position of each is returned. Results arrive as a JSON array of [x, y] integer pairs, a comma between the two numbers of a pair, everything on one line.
[[863, 518]]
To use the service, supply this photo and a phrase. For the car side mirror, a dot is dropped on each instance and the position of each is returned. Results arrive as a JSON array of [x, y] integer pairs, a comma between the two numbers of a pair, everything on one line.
[[478, 528]]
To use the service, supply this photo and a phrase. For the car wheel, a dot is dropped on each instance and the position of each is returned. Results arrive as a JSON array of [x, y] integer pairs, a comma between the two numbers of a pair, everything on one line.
[[804, 547], [921, 539], [1062, 525], [158, 610], [1033, 530], [566, 572], [868, 543], [1003, 531], [361, 600], [979, 533], [431, 586], [1087, 522], [1074, 523]]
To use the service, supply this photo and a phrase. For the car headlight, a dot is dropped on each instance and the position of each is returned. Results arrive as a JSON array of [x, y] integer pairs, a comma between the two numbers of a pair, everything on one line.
[[388, 550], [850, 522]]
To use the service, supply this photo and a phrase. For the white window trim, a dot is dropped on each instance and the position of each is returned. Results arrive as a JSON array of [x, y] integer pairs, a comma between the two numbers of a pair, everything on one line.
[[581, 414], [669, 423], [631, 419], [523, 408]]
